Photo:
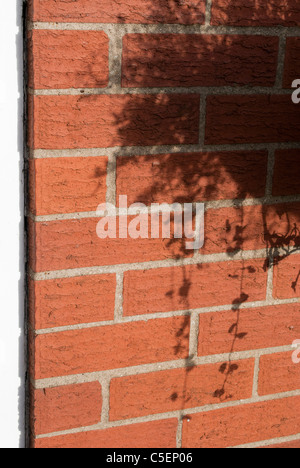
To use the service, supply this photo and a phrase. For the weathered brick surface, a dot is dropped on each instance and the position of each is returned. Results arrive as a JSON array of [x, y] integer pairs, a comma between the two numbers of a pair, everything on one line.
[[249, 228], [256, 12], [286, 172], [251, 119], [278, 374], [292, 61], [74, 243], [104, 121], [71, 301], [68, 59], [61, 408], [71, 244], [164, 101], [244, 424], [146, 179], [246, 329], [287, 277], [158, 434], [110, 347], [114, 11], [67, 185], [203, 285], [160, 392], [198, 60]]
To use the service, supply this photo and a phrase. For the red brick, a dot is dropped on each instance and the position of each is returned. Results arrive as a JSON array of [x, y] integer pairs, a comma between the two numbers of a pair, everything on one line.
[[292, 61], [251, 119], [62, 408], [247, 329], [195, 177], [158, 434], [67, 185], [118, 11], [111, 347], [287, 172], [68, 59], [190, 287], [71, 301], [256, 12], [68, 244], [161, 392], [235, 426], [250, 228], [198, 60], [278, 373], [287, 445], [102, 121], [287, 277]]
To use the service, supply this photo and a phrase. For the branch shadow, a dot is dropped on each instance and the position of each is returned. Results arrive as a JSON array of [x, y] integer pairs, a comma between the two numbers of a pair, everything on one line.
[[204, 176]]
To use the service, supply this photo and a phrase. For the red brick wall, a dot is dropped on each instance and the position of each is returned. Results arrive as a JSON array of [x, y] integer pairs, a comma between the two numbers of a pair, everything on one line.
[[141, 343]]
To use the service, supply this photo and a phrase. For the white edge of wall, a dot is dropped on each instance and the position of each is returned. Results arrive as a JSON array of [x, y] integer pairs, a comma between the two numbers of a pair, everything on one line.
[[12, 363]]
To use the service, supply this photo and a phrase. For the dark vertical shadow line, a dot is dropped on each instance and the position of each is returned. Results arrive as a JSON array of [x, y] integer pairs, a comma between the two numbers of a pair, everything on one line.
[[21, 6]]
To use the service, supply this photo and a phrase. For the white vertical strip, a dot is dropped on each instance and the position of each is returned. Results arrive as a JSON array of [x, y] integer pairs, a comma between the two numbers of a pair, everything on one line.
[[11, 234]]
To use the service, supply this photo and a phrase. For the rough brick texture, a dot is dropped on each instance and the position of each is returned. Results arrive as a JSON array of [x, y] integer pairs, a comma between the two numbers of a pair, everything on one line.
[[67, 185], [286, 172], [61, 408], [70, 301], [158, 434], [195, 60], [111, 347], [256, 12], [208, 285], [286, 278], [106, 121], [68, 59], [277, 374], [74, 243], [236, 426], [248, 328], [292, 61], [193, 177], [251, 119], [159, 392], [141, 342], [114, 11]]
